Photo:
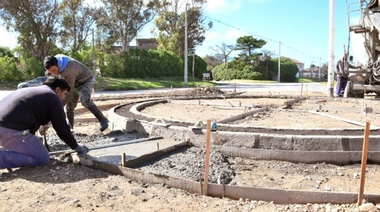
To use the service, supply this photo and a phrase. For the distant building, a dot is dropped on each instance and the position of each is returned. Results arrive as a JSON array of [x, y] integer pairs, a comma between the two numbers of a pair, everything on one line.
[[311, 72], [146, 43], [141, 43], [300, 66]]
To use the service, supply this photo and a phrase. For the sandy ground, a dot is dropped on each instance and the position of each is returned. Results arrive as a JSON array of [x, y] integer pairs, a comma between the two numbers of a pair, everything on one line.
[[65, 186]]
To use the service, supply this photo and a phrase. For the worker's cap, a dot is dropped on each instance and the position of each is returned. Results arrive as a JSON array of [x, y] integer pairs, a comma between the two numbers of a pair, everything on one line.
[[54, 81]]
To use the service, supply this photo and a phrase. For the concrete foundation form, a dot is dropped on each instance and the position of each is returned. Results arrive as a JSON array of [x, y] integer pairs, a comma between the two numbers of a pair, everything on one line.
[[336, 148], [276, 196]]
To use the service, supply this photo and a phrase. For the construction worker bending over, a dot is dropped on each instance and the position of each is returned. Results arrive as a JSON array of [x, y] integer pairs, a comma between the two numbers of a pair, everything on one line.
[[82, 80], [22, 112]]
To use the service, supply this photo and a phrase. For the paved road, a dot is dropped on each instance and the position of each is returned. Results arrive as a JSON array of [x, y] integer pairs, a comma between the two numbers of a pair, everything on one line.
[[240, 87], [273, 87], [226, 86]]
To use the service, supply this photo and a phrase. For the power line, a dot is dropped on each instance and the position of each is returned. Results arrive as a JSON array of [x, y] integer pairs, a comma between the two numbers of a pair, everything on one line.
[[262, 37]]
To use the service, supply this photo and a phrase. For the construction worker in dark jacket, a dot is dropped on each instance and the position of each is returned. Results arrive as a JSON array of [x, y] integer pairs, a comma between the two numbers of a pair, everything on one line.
[[81, 80], [22, 112], [341, 70]]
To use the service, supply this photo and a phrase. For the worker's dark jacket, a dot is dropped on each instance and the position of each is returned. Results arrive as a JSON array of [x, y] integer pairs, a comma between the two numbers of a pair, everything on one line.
[[341, 68], [29, 108]]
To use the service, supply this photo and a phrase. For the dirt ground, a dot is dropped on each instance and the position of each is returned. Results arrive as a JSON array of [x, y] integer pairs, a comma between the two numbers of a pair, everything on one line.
[[65, 186]]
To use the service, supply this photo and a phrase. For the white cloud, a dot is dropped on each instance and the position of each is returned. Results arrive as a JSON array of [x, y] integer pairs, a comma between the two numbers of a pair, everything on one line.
[[8, 39], [221, 6], [216, 39], [228, 6], [259, 1], [234, 34]]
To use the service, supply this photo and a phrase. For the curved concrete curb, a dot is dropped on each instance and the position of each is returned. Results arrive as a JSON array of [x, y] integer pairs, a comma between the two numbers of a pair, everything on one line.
[[138, 107], [240, 139], [339, 150]]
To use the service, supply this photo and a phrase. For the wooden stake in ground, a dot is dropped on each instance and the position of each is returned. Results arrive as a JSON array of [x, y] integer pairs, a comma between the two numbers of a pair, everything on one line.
[[364, 162], [123, 160], [207, 158]]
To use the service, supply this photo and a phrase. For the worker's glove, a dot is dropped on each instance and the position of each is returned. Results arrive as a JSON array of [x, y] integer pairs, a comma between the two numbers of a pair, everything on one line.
[[82, 150]]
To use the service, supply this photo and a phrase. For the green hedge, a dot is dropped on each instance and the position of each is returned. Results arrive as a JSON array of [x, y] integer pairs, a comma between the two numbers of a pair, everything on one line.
[[8, 69], [149, 63], [262, 70]]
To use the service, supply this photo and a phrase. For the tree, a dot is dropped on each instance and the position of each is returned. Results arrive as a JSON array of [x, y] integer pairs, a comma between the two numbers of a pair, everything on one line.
[[123, 19], [171, 26], [5, 51], [35, 21], [8, 69], [211, 62], [266, 56], [223, 51], [247, 44], [78, 20]]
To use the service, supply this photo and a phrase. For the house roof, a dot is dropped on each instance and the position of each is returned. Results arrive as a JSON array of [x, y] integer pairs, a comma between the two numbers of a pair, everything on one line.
[[295, 61]]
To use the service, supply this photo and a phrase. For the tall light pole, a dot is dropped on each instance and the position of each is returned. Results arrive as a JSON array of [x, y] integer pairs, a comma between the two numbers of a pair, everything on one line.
[[185, 52], [193, 66], [279, 62], [331, 53], [319, 70]]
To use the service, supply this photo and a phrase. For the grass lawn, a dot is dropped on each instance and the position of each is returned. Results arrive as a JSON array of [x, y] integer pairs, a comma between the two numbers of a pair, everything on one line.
[[107, 83]]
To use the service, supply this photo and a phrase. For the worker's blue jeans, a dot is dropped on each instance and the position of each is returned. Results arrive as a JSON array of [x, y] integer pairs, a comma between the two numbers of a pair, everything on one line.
[[340, 86], [21, 149]]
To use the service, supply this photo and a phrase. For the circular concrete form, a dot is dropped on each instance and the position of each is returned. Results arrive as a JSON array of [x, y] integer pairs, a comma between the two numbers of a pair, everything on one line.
[[236, 135], [286, 123]]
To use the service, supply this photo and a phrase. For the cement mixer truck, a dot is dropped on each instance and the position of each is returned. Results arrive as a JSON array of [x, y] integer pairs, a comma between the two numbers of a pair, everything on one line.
[[364, 28]]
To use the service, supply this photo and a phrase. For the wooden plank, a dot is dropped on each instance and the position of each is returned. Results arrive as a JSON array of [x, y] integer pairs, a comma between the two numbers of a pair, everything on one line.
[[276, 196], [207, 157], [291, 102], [241, 116], [136, 162], [364, 163]]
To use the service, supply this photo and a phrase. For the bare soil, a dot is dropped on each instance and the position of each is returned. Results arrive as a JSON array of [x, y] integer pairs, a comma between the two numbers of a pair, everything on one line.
[[66, 186]]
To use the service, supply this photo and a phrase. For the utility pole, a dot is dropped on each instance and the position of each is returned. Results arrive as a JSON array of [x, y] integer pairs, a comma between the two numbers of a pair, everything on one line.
[[185, 53], [331, 53], [279, 62], [319, 70], [193, 67]]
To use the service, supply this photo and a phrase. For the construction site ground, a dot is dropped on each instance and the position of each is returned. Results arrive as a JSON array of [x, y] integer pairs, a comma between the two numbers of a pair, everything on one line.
[[66, 186]]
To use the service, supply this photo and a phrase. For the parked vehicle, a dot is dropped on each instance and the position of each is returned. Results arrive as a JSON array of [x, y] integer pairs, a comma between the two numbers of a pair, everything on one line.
[[34, 82], [207, 75]]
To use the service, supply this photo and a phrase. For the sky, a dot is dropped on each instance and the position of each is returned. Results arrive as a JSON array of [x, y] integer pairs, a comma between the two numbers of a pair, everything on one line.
[[292, 28]]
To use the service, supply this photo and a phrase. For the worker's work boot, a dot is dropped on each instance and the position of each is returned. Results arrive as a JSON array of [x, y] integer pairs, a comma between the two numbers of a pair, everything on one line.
[[99, 115], [70, 118]]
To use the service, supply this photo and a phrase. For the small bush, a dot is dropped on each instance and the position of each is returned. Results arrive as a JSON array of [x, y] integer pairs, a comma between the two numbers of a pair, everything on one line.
[[8, 69]]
